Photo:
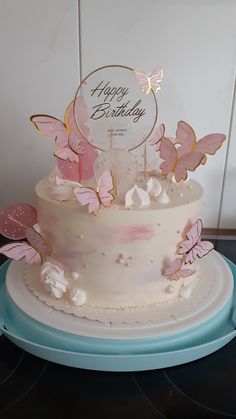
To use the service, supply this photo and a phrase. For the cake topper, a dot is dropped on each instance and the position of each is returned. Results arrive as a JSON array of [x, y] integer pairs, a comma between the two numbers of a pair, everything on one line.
[[117, 108]]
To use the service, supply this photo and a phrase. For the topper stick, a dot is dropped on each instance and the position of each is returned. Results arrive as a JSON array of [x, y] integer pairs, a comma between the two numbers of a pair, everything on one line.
[[113, 169], [145, 161]]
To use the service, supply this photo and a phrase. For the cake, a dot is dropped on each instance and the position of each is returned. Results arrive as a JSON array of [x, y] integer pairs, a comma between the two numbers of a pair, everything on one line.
[[108, 232]]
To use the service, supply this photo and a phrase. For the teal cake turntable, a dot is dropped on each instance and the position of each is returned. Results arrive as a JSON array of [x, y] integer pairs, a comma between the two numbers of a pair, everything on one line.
[[66, 339]]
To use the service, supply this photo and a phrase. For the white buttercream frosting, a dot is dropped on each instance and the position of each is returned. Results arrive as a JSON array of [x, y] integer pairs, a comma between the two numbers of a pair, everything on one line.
[[77, 296], [146, 234], [137, 197], [62, 189], [154, 187], [54, 279], [163, 197]]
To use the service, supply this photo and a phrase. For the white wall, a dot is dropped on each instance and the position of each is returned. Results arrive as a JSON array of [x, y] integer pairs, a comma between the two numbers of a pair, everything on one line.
[[193, 39], [38, 74], [195, 42]]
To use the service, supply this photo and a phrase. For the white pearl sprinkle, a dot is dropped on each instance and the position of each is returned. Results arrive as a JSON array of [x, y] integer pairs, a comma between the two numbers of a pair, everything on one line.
[[75, 275]]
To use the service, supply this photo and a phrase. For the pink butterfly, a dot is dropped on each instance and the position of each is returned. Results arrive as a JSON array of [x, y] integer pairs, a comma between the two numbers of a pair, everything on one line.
[[150, 81], [32, 251], [193, 247], [51, 127], [75, 155], [18, 251], [157, 136], [175, 270], [178, 165], [87, 196], [209, 144]]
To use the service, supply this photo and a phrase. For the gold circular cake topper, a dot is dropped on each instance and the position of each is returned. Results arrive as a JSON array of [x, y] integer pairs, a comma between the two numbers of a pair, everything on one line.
[[115, 107]]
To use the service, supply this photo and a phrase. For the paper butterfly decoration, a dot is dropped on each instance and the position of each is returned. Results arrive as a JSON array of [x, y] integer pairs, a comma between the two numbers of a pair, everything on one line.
[[32, 251], [209, 144], [150, 81], [75, 156], [178, 165], [193, 247], [176, 270], [157, 136], [92, 198]]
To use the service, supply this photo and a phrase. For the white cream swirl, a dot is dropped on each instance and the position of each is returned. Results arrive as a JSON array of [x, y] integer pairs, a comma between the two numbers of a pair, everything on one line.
[[137, 197], [154, 187], [53, 278], [62, 189], [77, 296]]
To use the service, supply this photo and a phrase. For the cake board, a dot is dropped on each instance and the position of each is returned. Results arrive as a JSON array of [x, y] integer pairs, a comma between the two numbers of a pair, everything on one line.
[[127, 354]]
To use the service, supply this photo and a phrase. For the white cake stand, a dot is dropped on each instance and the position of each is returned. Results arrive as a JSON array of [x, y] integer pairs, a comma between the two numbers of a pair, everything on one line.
[[187, 330]]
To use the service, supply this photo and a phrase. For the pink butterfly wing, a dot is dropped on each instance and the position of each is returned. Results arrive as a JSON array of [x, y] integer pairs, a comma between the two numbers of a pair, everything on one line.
[[175, 271], [173, 267], [210, 143], [189, 161], [36, 241], [87, 196], [76, 143], [142, 79], [187, 272], [18, 251], [175, 276], [169, 154], [87, 154], [105, 184], [185, 136], [66, 153], [200, 249], [157, 136], [185, 133], [193, 235], [51, 127], [156, 77]]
